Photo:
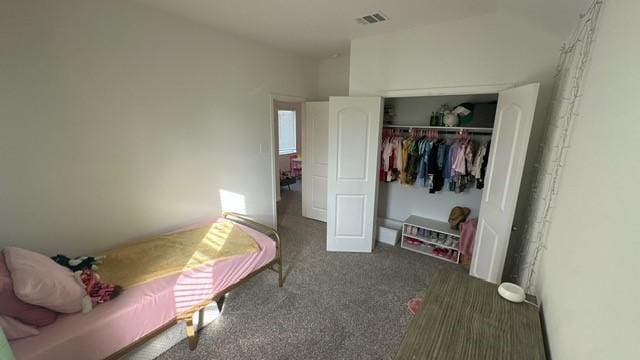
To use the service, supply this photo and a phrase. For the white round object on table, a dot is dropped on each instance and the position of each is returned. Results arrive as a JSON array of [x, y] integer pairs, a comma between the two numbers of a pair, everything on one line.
[[511, 292]]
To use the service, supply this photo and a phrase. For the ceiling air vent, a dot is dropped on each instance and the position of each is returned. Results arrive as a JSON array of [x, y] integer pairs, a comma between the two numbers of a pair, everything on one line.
[[372, 18]]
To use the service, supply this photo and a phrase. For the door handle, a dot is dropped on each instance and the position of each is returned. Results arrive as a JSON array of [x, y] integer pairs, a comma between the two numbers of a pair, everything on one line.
[[514, 228]]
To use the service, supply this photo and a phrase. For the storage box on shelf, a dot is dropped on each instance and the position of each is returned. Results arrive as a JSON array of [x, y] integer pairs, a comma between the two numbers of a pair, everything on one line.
[[431, 237]]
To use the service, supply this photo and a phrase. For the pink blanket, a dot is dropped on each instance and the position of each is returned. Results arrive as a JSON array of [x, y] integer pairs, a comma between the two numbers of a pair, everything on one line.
[[138, 311]]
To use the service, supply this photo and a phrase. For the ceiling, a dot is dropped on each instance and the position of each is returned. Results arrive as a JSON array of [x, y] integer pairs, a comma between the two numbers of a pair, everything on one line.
[[320, 28]]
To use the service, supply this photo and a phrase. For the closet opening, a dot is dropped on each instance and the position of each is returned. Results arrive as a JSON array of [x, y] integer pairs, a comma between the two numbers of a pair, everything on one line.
[[367, 186], [434, 153]]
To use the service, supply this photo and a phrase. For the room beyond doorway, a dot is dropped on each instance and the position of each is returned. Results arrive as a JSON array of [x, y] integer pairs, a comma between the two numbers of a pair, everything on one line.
[[287, 118]]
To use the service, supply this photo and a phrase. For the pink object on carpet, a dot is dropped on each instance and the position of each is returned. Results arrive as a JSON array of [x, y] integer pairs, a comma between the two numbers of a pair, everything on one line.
[[141, 309], [414, 305]]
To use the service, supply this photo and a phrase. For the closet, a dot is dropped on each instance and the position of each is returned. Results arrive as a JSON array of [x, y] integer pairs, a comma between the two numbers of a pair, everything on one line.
[[428, 168], [357, 200]]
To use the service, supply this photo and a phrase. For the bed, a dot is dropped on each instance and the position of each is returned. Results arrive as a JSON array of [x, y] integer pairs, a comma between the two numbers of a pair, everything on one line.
[[114, 328]]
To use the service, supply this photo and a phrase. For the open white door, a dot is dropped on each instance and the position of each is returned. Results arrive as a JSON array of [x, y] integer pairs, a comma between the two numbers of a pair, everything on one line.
[[315, 160], [514, 117], [355, 125]]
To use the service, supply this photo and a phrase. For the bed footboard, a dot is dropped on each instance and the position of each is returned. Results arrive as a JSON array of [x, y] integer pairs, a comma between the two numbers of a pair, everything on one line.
[[272, 233], [274, 265]]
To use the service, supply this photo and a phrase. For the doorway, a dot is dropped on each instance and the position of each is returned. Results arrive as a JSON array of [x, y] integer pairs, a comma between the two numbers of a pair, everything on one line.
[[287, 120]]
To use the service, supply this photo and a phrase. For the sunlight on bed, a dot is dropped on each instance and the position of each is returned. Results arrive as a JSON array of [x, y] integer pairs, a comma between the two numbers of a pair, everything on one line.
[[214, 239], [195, 283], [198, 280]]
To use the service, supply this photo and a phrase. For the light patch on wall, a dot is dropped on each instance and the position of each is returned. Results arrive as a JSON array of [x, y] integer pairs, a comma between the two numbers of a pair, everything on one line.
[[230, 201]]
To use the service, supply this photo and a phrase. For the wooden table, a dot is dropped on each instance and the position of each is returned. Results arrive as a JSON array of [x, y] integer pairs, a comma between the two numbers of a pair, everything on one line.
[[465, 318]]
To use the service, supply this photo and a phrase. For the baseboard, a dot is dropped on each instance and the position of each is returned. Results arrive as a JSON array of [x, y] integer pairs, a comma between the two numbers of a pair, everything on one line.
[[545, 338]]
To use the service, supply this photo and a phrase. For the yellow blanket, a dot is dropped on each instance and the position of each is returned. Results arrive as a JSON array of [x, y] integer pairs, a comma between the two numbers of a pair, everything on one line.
[[164, 255]]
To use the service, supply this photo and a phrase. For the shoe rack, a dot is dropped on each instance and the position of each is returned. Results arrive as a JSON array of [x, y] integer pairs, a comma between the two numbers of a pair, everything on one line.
[[431, 237]]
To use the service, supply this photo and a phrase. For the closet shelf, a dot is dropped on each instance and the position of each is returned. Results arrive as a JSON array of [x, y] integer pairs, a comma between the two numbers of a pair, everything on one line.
[[417, 249], [430, 242], [442, 128], [417, 228], [439, 226]]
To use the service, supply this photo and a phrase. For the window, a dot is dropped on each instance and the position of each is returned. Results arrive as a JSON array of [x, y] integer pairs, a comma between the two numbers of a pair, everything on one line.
[[287, 132]]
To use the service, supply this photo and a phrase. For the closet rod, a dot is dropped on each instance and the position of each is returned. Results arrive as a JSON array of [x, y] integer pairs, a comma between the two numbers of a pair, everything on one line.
[[457, 129]]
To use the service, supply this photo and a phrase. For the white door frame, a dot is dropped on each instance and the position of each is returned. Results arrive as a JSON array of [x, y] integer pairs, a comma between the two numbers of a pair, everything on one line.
[[275, 177]]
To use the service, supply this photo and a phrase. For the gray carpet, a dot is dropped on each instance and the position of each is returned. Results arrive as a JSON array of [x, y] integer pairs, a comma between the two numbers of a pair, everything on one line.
[[332, 305]]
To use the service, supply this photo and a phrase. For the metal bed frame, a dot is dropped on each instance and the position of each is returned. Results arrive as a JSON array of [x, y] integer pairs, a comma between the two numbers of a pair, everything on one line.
[[187, 316]]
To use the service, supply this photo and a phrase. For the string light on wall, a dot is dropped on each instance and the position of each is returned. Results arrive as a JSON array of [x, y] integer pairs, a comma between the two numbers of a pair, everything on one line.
[[566, 95]]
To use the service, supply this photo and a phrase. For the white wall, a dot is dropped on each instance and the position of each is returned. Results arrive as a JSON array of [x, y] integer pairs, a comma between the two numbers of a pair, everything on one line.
[[333, 77], [397, 202], [588, 279], [119, 120], [491, 49]]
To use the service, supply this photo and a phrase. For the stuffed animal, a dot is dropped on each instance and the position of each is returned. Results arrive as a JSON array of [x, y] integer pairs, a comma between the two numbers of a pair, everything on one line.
[[450, 119], [79, 263], [97, 290], [84, 269]]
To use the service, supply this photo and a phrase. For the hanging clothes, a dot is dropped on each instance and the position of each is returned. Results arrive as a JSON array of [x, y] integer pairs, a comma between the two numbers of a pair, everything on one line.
[[477, 161], [483, 167], [391, 174], [448, 161], [384, 163], [460, 161], [399, 160], [436, 181], [459, 165], [424, 148], [469, 155], [413, 160], [405, 161], [431, 162], [391, 158], [442, 150]]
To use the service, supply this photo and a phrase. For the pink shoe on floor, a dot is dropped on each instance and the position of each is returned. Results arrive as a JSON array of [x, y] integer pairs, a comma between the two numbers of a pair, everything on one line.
[[414, 305]]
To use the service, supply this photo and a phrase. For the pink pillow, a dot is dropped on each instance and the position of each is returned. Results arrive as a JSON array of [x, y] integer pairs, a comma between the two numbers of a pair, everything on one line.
[[38, 280], [14, 329], [10, 305]]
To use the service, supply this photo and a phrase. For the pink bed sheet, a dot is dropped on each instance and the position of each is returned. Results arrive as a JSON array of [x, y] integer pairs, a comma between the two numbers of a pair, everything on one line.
[[138, 311]]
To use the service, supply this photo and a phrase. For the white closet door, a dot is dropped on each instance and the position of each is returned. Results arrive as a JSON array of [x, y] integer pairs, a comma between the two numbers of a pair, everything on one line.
[[355, 125], [514, 116], [315, 160]]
